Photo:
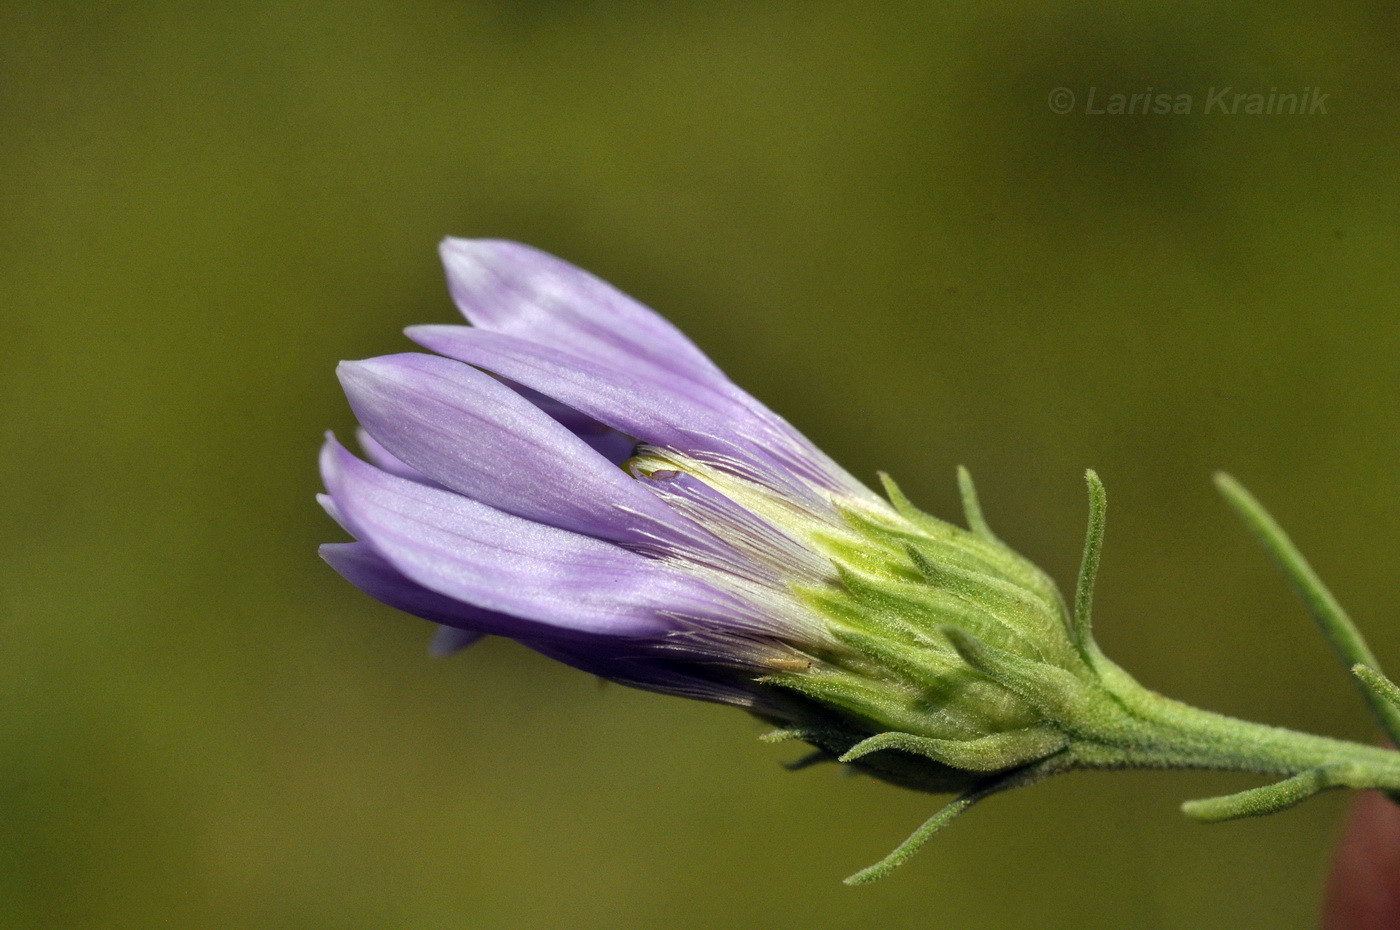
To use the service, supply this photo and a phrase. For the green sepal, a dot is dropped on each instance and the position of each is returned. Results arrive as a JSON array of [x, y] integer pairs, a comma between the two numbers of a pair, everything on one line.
[[994, 753], [1016, 607], [919, 665], [972, 506], [875, 706], [1060, 696], [830, 738], [919, 608], [958, 545], [908, 511], [959, 702], [1089, 567], [946, 541], [784, 735], [877, 547]]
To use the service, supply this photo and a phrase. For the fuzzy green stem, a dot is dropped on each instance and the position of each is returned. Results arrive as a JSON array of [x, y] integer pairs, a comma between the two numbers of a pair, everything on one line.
[[1152, 731]]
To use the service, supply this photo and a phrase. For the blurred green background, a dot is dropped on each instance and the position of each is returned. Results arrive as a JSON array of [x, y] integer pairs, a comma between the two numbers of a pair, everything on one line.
[[870, 216]]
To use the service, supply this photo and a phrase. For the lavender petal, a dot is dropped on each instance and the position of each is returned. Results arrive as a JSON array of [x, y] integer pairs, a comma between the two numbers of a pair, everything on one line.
[[658, 411], [384, 460], [468, 551], [367, 570], [507, 287], [616, 447], [653, 410], [655, 673], [520, 460]]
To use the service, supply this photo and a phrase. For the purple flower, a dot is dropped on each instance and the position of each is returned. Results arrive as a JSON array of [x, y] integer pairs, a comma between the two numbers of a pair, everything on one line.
[[571, 472]]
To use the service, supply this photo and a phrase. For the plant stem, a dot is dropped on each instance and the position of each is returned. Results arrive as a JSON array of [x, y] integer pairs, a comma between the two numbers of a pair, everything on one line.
[[1157, 732]]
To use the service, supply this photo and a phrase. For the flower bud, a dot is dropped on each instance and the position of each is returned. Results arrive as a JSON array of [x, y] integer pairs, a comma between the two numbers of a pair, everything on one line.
[[571, 472]]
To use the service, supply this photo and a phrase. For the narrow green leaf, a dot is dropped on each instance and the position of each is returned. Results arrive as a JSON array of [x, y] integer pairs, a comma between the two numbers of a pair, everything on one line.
[[1268, 799], [1381, 687], [1020, 778], [1339, 629], [916, 840]]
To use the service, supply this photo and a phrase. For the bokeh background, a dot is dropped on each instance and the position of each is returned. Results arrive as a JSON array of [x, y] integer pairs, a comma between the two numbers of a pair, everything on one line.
[[870, 216]]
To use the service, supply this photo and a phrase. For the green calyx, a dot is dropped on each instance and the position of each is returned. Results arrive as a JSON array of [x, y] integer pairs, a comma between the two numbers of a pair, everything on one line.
[[948, 646], [954, 665]]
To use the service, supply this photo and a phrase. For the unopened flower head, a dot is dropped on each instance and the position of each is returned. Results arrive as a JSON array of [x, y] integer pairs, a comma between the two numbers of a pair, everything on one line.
[[571, 472], [608, 497]]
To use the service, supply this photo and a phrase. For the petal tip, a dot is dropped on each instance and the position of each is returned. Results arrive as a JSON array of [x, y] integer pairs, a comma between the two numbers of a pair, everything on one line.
[[348, 370]]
